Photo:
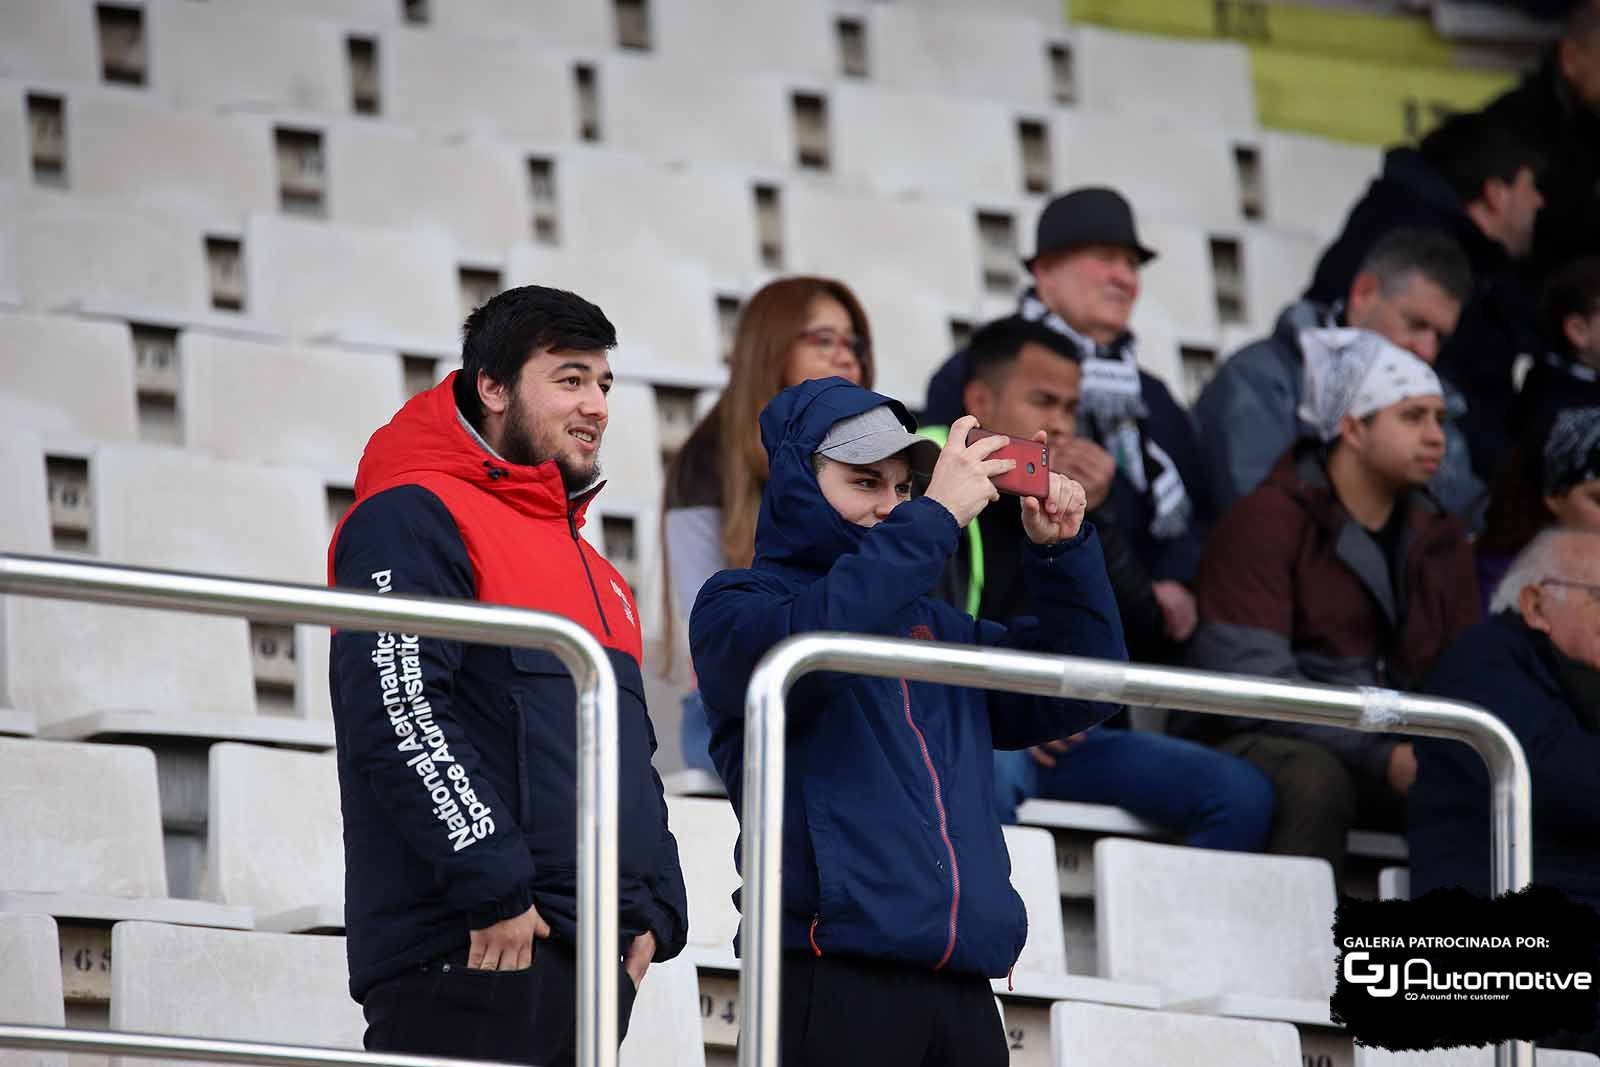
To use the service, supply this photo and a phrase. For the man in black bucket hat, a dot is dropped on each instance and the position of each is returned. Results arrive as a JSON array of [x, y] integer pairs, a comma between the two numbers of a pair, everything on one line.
[[1127, 442]]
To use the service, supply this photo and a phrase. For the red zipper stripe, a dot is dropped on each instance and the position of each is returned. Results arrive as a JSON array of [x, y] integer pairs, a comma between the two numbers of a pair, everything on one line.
[[944, 827], [813, 934]]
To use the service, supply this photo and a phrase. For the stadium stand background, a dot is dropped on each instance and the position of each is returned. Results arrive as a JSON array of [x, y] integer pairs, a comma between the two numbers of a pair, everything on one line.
[[235, 235]]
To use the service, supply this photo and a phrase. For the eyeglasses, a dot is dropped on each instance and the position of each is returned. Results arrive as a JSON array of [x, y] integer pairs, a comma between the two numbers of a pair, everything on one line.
[[828, 342], [1588, 587]]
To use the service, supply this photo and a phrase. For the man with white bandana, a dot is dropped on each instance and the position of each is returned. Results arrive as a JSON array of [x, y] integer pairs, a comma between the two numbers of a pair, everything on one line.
[[1339, 568], [1136, 449]]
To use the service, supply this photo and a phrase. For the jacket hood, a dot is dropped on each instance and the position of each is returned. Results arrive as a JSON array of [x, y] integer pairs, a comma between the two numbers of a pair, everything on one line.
[[427, 438], [797, 526]]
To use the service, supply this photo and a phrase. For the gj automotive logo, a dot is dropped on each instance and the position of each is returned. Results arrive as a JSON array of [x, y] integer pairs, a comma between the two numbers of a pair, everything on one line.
[[1419, 981], [1452, 968]]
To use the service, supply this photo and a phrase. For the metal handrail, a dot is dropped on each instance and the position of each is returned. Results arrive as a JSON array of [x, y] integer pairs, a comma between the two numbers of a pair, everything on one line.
[[207, 1049], [457, 620], [1370, 709]]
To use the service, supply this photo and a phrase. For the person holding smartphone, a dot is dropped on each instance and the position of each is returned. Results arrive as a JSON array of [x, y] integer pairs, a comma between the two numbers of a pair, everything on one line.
[[897, 902]]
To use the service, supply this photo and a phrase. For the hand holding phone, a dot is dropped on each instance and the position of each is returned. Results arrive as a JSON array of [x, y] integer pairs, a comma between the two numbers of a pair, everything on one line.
[[1030, 476]]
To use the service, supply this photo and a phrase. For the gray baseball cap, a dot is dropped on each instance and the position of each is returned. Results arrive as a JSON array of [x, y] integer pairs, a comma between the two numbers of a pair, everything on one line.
[[877, 434]]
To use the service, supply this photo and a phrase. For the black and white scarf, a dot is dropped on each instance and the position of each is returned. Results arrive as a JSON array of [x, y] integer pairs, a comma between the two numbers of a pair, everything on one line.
[[1112, 405]]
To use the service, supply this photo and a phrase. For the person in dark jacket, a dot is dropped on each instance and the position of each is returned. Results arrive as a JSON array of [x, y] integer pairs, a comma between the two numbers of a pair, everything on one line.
[[1552, 480], [457, 762], [1085, 271], [1409, 290], [1026, 378], [1559, 106], [1340, 568], [897, 902], [1474, 179], [1535, 664], [1568, 373]]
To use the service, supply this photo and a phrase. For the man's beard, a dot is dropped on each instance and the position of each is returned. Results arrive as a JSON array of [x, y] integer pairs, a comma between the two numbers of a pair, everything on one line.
[[519, 445]]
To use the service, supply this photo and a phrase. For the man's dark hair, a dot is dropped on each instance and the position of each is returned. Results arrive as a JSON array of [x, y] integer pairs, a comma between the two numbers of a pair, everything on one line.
[[1572, 290], [1470, 149], [508, 329], [997, 345], [1415, 249]]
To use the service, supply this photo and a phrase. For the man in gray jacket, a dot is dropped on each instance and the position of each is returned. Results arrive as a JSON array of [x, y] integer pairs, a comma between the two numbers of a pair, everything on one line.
[[1409, 289]]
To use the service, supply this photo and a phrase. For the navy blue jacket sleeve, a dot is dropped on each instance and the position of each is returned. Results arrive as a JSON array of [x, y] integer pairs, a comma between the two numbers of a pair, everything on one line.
[[1563, 757], [1076, 614], [740, 615], [403, 541]]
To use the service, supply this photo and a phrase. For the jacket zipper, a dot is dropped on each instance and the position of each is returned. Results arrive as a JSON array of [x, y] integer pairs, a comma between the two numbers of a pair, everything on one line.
[[944, 828], [572, 524], [813, 934]]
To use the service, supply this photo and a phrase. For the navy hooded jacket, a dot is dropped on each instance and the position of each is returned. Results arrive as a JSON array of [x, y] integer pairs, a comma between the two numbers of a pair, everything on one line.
[[892, 849]]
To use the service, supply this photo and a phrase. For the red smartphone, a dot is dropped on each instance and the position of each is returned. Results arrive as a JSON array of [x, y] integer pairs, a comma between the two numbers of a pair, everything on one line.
[[1031, 475]]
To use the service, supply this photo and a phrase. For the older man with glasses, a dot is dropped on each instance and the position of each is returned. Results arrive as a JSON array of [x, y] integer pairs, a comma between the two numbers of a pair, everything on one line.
[[1536, 664]]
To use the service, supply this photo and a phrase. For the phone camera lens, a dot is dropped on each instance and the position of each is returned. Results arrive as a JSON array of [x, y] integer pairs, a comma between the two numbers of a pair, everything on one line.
[[1032, 468]]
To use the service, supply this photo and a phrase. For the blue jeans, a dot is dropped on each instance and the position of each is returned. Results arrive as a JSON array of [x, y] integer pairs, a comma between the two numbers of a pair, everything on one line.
[[1212, 799], [694, 734]]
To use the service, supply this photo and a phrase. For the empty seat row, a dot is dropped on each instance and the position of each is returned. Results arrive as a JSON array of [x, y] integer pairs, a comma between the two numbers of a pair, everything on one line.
[[83, 669], [277, 988]]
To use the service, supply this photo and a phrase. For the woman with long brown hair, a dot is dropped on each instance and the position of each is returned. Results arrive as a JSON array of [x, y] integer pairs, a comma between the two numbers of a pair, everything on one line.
[[791, 331]]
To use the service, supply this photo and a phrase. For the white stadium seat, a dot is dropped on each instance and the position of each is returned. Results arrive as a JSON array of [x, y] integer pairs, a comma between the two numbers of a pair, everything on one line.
[[82, 826], [899, 142], [48, 39], [147, 262], [67, 377], [1180, 280], [311, 407], [272, 846], [30, 983], [706, 830], [1310, 183], [673, 112], [213, 170], [1394, 883], [755, 36], [1139, 75], [66, 664], [281, 988], [839, 235], [1142, 159], [606, 199], [454, 84], [1220, 932], [320, 281], [366, 13], [972, 53], [1090, 1035], [242, 57], [558, 23], [383, 175], [162, 507], [664, 1026]]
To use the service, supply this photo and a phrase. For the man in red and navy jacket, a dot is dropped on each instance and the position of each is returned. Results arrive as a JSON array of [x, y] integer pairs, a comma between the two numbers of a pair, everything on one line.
[[457, 762]]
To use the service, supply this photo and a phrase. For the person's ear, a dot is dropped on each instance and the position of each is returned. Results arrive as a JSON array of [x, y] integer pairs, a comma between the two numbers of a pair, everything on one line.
[[1364, 292], [1579, 336], [1494, 195], [1352, 432], [979, 400], [494, 396], [1531, 603]]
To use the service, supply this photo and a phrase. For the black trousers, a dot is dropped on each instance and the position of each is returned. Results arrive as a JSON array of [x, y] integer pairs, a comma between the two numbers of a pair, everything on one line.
[[842, 1012], [444, 1009]]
